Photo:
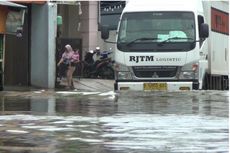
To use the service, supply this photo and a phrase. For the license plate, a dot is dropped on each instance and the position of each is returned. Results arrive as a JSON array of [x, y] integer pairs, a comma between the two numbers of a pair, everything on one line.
[[155, 86]]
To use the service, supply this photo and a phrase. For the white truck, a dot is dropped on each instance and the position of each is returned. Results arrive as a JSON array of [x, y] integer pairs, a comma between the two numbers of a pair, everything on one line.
[[172, 45]]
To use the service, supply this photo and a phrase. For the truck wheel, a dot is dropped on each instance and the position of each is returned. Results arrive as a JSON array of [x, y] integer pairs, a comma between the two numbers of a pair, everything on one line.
[[205, 82]]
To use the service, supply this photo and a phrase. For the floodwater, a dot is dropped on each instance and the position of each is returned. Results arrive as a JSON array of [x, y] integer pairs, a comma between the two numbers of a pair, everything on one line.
[[108, 122]]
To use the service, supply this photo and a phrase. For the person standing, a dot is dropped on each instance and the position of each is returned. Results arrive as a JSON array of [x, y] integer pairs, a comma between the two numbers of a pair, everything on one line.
[[66, 59], [75, 58]]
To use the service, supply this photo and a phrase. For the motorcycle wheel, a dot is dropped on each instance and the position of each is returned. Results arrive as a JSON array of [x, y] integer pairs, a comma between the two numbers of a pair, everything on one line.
[[106, 73], [86, 72]]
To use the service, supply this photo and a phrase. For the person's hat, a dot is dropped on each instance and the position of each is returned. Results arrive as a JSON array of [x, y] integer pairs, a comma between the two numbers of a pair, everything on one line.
[[97, 48]]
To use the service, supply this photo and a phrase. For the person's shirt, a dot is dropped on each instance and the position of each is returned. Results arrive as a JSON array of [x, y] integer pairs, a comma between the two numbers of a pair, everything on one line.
[[66, 56], [75, 57]]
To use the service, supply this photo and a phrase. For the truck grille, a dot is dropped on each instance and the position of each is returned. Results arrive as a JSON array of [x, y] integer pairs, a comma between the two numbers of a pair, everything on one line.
[[154, 71]]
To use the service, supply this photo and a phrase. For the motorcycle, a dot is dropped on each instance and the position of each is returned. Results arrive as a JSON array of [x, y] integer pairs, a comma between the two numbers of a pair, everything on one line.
[[102, 68]]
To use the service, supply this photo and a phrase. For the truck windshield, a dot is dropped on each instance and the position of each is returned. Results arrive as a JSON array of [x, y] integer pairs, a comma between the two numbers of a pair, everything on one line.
[[156, 31]]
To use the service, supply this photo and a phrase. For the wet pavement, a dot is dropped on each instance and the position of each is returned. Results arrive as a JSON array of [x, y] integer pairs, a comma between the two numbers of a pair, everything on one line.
[[83, 84], [101, 121]]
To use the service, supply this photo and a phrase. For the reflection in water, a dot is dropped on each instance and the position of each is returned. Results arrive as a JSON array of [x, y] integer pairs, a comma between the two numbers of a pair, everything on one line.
[[98, 122], [14, 104], [43, 105]]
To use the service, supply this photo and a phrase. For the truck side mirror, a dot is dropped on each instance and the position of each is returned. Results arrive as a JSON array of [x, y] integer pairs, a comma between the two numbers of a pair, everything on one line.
[[104, 32], [204, 30]]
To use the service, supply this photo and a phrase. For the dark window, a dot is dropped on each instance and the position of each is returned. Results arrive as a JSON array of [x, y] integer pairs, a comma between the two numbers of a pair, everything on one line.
[[156, 31], [109, 13]]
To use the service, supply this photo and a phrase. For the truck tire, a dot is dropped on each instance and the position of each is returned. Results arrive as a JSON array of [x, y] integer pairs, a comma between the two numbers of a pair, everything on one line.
[[205, 82]]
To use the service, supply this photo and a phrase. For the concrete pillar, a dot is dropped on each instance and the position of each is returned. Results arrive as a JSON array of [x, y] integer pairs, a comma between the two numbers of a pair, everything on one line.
[[89, 25], [93, 24], [43, 44]]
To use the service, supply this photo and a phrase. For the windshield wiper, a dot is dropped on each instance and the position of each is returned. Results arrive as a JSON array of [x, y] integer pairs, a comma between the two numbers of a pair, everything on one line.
[[140, 39], [173, 38]]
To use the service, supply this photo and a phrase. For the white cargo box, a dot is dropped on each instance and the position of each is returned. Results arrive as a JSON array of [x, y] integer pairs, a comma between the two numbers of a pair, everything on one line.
[[217, 16]]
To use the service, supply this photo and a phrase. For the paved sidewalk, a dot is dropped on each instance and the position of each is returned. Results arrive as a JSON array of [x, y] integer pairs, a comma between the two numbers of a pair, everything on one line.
[[91, 84], [82, 84]]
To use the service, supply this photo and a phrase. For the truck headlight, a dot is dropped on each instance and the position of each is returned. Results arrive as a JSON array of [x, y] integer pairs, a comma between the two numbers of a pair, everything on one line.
[[122, 72], [189, 71]]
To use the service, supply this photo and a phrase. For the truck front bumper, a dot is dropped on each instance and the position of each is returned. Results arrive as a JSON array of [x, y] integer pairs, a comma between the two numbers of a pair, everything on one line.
[[156, 85]]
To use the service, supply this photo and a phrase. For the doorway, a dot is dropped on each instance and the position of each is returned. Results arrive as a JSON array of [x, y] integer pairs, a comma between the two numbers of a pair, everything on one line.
[[16, 64]]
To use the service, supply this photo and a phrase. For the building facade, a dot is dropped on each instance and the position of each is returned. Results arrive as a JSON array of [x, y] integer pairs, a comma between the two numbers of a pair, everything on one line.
[[30, 60]]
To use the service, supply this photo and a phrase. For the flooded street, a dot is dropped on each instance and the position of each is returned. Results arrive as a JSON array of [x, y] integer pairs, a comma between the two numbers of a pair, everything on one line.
[[108, 122]]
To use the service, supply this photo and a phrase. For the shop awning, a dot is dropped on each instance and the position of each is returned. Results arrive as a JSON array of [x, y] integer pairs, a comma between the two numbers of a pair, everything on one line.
[[6, 3]]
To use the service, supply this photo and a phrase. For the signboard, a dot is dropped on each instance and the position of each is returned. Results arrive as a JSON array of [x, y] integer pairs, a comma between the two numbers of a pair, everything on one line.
[[220, 21], [3, 15], [11, 17], [14, 21], [69, 2]]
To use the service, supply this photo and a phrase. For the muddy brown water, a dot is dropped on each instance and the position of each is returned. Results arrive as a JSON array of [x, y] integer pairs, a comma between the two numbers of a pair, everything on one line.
[[108, 122]]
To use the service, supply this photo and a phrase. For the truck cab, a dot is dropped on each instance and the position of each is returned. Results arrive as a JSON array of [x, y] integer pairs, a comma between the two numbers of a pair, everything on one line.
[[159, 46]]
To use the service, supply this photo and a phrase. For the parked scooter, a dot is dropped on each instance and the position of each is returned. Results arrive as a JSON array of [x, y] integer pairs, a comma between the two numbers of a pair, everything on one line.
[[102, 68], [105, 66]]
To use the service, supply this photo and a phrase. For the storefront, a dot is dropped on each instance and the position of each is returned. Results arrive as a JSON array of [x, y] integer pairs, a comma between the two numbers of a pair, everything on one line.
[[11, 23]]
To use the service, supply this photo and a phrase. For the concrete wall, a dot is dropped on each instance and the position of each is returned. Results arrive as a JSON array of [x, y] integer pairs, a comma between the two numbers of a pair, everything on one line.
[[88, 30], [71, 18], [43, 34]]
